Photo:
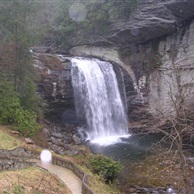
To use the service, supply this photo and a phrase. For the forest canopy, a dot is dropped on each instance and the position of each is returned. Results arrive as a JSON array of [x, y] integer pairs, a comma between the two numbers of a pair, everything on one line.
[[19, 101]]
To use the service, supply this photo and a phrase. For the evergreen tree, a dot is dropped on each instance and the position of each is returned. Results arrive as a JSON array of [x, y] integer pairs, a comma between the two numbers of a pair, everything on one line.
[[19, 101], [15, 57]]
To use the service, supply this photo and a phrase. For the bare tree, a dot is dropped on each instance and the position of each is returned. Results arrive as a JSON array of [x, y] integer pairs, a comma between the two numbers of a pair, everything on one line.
[[178, 94]]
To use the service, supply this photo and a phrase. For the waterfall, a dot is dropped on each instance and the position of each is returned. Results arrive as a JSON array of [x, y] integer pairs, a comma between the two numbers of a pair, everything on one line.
[[98, 101]]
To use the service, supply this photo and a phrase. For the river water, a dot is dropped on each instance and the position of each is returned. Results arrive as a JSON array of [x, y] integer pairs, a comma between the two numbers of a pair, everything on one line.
[[134, 148]]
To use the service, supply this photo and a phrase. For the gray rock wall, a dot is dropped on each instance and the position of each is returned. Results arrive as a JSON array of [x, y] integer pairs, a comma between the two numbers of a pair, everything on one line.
[[162, 71], [55, 80], [55, 86], [149, 20], [158, 65], [173, 81]]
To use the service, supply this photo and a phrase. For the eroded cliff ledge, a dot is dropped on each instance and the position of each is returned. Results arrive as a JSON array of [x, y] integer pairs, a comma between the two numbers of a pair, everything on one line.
[[151, 19], [55, 86], [154, 45]]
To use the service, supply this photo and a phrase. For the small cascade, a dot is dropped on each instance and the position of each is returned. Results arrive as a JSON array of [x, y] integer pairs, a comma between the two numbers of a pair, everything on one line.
[[98, 101]]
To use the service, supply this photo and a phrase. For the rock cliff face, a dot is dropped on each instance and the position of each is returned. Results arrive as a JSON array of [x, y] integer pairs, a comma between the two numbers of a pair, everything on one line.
[[55, 86], [132, 81], [151, 19], [154, 47], [173, 81], [164, 70]]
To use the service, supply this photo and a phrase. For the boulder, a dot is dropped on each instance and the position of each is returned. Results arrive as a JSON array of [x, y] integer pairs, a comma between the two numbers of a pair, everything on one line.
[[29, 141], [41, 49]]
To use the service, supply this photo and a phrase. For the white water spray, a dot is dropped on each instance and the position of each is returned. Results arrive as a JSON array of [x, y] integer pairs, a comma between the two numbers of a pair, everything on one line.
[[98, 101]]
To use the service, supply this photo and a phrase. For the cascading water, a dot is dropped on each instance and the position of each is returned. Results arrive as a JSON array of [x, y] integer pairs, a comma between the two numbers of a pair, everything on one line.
[[98, 101]]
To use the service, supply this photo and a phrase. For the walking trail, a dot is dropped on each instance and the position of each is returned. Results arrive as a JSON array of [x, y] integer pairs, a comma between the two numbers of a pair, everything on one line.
[[67, 176]]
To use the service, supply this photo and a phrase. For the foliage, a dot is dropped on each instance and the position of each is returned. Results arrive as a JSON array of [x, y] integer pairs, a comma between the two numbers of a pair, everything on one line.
[[176, 110], [11, 111], [29, 99], [19, 189], [106, 167], [16, 65], [121, 9], [26, 121], [9, 101]]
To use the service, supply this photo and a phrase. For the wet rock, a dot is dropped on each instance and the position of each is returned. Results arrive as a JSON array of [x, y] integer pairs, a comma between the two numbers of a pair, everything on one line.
[[67, 140], [132, 190], [15, 132], [58, 149], [46, 133], [69, 117], [138, 190], [56, 141], [57, 135], [72, 152], [69, 128], [54, 85], [41, 49], [29, 141], [79, 137], [61, 151], [50, 145]]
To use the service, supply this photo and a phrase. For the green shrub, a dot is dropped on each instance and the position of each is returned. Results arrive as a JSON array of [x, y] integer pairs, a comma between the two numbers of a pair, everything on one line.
[[19, 189], [25, 121], [106, 167], [11, 111]]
